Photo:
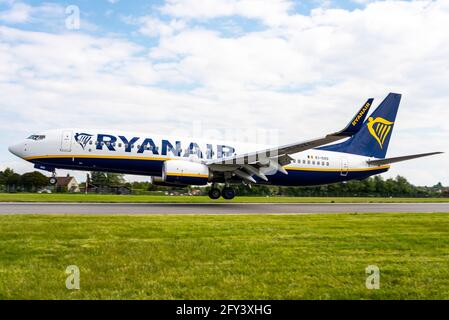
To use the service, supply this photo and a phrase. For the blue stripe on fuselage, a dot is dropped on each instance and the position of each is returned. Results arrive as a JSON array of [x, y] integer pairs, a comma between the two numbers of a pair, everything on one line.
[[311, 178], [126, 166], [154, 168]]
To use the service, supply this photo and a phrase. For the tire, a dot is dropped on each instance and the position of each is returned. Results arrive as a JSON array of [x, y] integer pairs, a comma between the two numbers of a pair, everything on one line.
[[228, 193], [214, 193], [53, 181]]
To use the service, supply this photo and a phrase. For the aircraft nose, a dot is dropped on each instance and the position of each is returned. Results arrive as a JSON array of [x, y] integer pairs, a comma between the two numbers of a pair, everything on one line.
[[15, 149]]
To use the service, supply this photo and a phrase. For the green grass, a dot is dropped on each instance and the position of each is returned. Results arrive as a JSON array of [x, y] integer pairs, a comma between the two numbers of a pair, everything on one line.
[[34, 197], [225, 256]]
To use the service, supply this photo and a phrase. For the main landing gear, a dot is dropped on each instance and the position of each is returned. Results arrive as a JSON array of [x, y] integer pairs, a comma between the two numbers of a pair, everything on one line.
[[214, 193], [227, 193]]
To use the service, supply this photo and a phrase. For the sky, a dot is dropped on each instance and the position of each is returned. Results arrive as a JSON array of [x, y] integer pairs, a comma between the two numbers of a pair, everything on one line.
[[300, 69]]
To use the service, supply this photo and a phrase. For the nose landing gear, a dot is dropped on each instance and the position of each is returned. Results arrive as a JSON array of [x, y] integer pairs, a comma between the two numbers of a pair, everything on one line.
[[53, 181]]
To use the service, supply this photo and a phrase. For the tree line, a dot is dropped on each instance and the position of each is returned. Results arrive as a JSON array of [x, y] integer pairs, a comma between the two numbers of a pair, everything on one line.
[[11, 181], [371, 187]]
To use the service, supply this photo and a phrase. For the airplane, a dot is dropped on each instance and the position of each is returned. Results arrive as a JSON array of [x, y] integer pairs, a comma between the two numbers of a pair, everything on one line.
[[180, 162]]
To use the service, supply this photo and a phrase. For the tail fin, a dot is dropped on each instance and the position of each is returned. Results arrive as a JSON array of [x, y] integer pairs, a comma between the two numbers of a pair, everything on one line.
[[373, 138]]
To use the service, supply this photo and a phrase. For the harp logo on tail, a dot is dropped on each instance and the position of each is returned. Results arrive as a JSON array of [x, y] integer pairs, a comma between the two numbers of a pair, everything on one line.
[[83, 139], [379, 128]]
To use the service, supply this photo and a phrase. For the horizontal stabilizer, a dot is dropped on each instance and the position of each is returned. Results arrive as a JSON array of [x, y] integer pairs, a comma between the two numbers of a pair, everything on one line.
[[399, 159]]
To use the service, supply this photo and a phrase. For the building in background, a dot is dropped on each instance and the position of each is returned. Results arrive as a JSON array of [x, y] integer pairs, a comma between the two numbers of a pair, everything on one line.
[[68, 184]]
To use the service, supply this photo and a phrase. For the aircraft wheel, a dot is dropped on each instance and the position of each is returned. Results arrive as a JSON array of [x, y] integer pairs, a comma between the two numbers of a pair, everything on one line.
[[228, 193], [214, 193], [53, 181]]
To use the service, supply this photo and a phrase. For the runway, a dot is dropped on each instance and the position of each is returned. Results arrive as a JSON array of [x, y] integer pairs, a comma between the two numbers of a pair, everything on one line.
[[217, 208]]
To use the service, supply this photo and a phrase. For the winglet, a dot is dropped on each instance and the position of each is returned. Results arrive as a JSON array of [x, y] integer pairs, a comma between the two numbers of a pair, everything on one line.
[[356, 123]]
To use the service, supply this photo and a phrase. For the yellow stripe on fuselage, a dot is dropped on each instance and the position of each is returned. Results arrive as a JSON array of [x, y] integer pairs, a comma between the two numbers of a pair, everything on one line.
[[338, 169], [64, 156], [143, 158], [190, 175]]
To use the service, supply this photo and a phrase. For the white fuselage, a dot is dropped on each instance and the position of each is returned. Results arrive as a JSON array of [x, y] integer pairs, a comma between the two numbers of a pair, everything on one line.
[[144, 154]]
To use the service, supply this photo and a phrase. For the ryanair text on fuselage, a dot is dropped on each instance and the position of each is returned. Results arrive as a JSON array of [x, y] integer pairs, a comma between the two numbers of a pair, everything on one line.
[[165, 147]]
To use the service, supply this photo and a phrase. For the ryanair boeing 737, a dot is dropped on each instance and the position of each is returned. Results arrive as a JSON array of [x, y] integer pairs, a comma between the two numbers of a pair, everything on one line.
[[175, 161]]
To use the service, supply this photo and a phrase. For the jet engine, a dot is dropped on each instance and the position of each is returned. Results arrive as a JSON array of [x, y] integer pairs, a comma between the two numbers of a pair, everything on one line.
[[182, 173]]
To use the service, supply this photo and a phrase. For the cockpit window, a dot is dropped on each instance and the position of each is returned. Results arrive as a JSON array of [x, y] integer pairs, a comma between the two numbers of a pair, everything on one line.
[[36, 137]]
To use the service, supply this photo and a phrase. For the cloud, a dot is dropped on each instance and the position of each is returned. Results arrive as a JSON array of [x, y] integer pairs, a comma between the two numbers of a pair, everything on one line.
[[18, 13], [45, 16], [155, 27], [270, 11], [362, 1], [302, 74]]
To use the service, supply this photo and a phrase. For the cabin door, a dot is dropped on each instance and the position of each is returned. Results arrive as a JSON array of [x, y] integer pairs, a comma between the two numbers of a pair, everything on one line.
[[66, 141]]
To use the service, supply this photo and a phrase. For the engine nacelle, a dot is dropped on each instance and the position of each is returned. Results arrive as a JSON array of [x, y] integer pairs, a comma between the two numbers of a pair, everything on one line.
[[159, 181], [185, 172]]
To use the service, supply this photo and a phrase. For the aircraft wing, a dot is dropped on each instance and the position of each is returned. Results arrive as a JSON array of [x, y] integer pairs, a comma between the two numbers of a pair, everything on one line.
[[277, 157]]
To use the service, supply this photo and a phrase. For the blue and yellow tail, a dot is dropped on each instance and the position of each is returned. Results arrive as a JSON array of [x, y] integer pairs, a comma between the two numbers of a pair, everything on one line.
[[373, 138]]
